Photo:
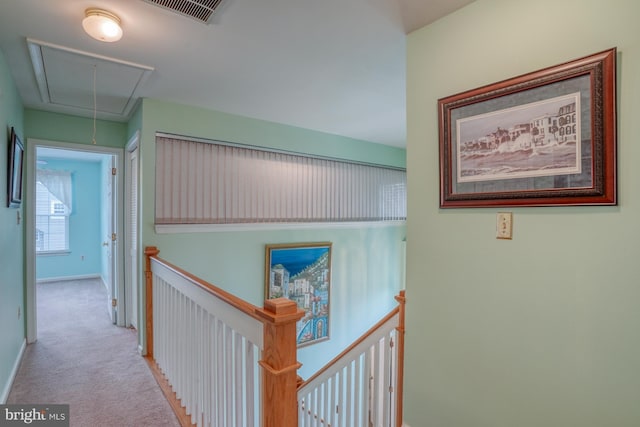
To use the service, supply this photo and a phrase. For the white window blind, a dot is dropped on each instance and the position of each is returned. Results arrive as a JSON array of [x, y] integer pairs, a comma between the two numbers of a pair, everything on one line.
[[216, 183], [53, 207]]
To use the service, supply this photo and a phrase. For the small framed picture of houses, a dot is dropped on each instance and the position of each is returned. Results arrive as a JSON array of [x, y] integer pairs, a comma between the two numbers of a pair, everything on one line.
[[541, 139], [301, 272]]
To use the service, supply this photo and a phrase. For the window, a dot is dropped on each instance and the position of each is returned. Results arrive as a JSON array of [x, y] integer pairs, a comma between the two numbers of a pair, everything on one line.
[[57, 208], [52, 214], [210, 182]]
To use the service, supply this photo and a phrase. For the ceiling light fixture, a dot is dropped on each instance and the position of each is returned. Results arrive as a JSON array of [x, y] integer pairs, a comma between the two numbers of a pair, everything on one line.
[[102, 25]]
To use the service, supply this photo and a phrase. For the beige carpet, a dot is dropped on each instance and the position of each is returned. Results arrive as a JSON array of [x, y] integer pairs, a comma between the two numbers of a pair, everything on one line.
[[83, 360]]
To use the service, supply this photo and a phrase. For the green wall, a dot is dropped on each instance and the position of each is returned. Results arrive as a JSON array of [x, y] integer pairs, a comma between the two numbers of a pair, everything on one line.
[[366, 262], [542, 330], [12, 326], [66, 128]]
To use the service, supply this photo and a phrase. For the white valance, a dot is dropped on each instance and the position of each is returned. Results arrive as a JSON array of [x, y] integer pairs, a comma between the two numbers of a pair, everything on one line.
[[59, 184]]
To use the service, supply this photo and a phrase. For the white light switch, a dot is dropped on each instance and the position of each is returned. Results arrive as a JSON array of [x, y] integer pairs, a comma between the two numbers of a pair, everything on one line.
[[504, 225]]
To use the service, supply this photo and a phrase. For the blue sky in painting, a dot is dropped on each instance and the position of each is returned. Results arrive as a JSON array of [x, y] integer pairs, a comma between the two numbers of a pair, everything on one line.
[[295, 260]]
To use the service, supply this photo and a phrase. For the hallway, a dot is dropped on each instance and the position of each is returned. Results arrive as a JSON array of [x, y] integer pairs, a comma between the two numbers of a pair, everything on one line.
[[82, 359]]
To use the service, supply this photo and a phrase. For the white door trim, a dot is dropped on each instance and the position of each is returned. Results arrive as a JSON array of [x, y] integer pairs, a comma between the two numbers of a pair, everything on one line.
[[133, 294], [30, 173], [109, 225]]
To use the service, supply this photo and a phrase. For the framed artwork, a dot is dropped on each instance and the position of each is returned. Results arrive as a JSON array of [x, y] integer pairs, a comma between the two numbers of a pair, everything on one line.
[[541, 139], [15, 161], [301, 272]]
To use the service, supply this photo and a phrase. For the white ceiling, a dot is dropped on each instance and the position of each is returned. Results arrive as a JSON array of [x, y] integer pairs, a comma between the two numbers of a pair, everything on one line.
[[336, 66]]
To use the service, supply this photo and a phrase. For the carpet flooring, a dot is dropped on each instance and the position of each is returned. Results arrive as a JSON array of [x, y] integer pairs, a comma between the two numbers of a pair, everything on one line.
[[82, 359]]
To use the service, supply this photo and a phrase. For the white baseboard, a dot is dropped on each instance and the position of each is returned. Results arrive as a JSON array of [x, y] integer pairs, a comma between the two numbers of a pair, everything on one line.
[[14, 372], [59, 279]]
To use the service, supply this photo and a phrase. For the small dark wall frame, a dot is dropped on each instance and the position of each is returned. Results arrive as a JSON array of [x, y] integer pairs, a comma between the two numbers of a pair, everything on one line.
[[15, 162], [546, 138]]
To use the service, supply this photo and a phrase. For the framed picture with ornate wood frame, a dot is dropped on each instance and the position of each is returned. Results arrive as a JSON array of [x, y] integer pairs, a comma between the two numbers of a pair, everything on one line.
[[545, 138], [301, 272], [15, 161]]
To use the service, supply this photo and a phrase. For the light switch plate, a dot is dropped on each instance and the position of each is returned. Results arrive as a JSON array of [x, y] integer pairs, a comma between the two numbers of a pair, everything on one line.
[[504, 225]]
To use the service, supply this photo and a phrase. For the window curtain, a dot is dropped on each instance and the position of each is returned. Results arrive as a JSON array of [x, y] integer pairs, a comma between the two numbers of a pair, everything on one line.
[[59, 184]]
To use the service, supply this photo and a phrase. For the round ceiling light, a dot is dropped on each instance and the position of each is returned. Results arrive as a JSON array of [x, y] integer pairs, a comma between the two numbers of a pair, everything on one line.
[[102, 25]]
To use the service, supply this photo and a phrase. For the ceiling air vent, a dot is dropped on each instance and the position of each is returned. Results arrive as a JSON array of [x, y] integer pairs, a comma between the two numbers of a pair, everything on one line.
[[200, 10]]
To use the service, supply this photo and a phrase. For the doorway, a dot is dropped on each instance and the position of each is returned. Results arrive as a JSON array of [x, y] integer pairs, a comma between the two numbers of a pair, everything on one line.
[[91, 248]]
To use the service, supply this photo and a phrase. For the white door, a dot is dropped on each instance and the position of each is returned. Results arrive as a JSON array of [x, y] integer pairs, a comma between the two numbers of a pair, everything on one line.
[[131, 271]]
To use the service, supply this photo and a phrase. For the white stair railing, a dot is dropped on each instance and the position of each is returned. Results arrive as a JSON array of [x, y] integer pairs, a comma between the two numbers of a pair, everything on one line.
[[362, 387], [232, 364], [207, 349]]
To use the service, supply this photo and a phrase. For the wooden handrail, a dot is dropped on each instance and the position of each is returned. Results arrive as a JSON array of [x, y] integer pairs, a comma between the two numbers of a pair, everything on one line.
[[336, 359], [234, 301]]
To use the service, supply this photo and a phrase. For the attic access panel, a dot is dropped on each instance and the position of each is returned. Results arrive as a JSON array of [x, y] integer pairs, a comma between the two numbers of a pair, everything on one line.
[[65, 78]]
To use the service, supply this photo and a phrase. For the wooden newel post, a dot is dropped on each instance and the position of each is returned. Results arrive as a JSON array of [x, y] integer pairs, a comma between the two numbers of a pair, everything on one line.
[[402, 302], [279, 363], [149, 251]]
